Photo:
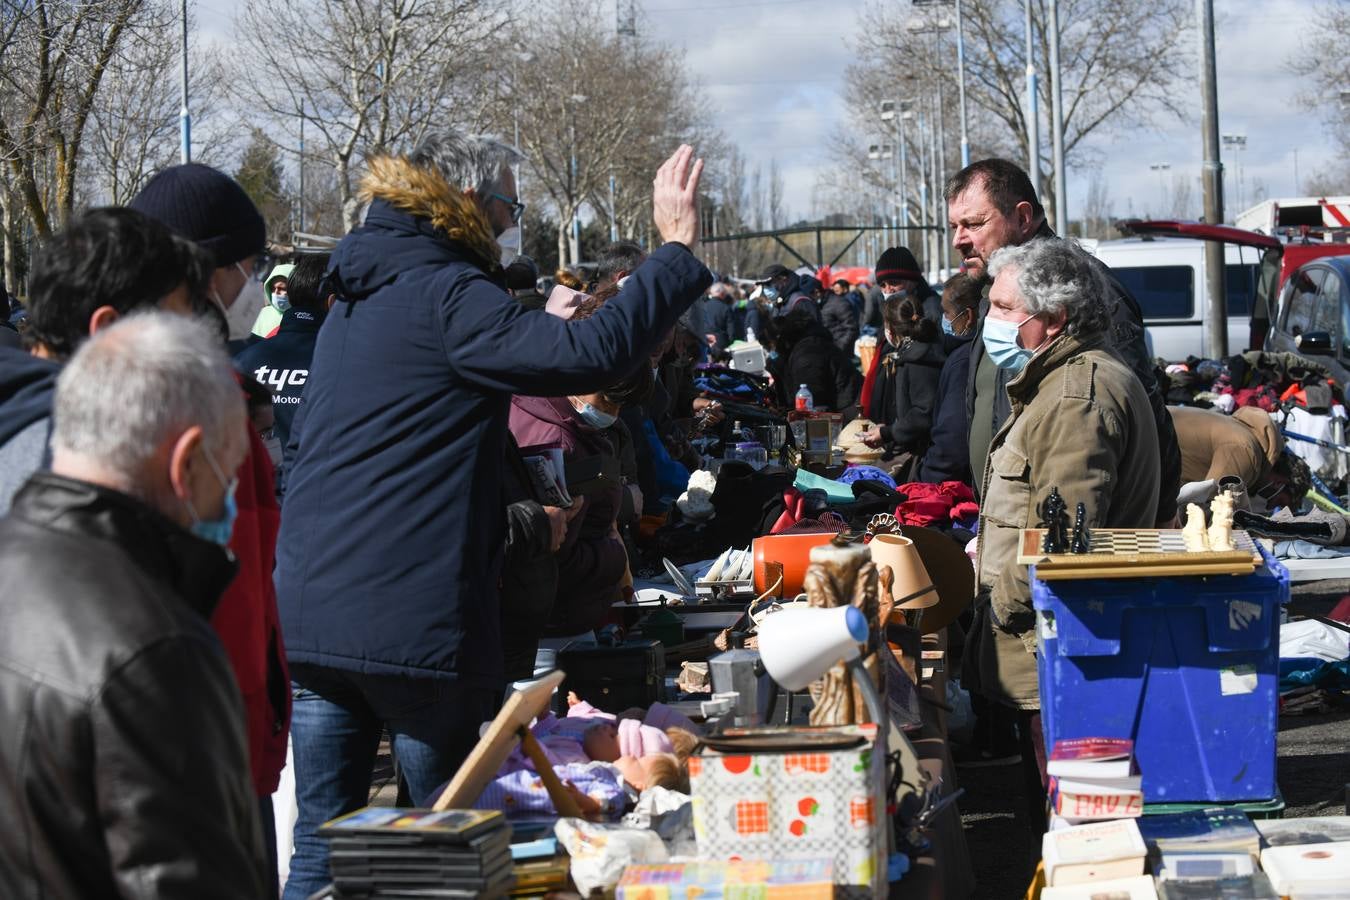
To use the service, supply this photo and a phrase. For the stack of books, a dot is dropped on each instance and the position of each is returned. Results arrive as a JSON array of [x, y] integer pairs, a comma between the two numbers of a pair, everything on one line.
[[1206, 853], [1307, 858], [1093, 779], [383, 854], [1093, 853]]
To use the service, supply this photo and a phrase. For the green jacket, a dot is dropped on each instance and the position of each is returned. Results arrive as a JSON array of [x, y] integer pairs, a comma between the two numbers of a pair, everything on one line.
[[1080, 422]]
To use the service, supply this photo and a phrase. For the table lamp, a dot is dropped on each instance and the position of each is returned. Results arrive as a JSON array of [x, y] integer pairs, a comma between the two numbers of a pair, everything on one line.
[[799, 644]]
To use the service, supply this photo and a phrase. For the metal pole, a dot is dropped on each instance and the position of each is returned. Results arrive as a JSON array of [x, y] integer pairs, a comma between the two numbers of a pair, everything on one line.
[[184, 116], [923, 179], [1033, 114], [302, 166], [1212, 172], [904, 171], [934, 261], [1057, 123], [961, 88], [613, 214], [940, 181], [520, 168]]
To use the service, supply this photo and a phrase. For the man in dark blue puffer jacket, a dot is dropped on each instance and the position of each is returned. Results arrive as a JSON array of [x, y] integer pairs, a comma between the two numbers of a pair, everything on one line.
[[392, 526]]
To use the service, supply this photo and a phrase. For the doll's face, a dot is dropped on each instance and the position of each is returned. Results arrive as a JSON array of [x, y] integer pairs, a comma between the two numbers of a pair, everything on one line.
[[601, 742]]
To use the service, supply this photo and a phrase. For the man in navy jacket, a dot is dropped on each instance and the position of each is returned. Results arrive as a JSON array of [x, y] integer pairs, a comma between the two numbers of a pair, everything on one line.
[[392, 527]]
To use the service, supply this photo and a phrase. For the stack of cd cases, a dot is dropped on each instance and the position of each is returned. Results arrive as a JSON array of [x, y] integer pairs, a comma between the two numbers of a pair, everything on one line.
[[420, 854]]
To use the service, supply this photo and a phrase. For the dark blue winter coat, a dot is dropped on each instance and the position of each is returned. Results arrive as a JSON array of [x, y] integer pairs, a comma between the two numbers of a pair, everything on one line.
[[392, 529], [948, 457]]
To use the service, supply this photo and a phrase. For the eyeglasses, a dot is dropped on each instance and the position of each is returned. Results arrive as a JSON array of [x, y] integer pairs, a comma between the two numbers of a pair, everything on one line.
[[517, 208]]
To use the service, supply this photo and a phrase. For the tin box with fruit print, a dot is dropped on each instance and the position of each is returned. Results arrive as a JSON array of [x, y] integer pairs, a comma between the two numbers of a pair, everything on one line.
[[797, 803]]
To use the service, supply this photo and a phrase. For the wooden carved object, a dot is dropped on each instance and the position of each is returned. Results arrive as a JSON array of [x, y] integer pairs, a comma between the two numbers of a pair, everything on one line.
[[838, 576]]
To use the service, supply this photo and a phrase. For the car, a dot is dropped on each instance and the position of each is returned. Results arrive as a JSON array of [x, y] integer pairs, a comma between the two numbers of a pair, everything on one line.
[[1313, 315]]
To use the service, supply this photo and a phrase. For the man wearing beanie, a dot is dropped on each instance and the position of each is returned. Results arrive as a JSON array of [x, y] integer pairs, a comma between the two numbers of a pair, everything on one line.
[[210, 209]]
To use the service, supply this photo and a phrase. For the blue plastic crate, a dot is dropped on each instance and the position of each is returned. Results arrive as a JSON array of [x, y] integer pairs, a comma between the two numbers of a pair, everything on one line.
[[1187, 667]]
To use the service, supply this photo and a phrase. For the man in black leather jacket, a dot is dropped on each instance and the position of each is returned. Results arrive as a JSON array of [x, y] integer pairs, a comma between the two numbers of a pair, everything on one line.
[[123, 763]]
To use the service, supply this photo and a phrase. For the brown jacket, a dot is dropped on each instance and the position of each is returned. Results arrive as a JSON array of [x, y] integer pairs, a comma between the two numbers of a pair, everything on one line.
[[1213, 445], [1080, 422]]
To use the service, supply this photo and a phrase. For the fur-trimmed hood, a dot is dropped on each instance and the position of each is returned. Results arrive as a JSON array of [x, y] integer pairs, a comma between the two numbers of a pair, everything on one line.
[[423, 193]]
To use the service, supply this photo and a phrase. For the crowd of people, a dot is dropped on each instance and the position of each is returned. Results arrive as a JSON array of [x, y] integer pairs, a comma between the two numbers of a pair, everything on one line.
[[337, 529]]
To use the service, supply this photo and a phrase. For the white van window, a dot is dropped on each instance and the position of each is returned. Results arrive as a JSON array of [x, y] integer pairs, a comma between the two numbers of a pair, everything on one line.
[[1240, 285], [1163, 292]]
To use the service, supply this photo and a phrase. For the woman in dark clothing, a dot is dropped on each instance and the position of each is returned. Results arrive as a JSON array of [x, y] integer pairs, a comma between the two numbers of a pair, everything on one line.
[[807, 355], [908, 380], [948, 459]]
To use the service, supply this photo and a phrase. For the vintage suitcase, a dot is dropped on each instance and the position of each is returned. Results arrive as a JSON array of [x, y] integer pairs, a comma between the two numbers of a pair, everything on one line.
[[613, 678]]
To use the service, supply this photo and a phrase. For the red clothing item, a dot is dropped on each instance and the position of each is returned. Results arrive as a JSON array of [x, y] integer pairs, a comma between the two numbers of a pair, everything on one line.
[[931, 504], [870, 380], [247, 623]]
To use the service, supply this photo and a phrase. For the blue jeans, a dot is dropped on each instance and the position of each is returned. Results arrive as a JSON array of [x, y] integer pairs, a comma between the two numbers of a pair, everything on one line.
[[336, 723]]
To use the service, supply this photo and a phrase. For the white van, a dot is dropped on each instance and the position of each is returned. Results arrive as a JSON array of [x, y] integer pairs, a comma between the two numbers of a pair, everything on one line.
[[1167, 276]]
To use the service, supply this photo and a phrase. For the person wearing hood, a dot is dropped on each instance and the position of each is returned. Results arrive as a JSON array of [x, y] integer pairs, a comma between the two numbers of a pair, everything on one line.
[[948, 456], [782, 287], [906, 390], [394, 528], [276, 288], [105, 264], [807, 355], [281, 363]]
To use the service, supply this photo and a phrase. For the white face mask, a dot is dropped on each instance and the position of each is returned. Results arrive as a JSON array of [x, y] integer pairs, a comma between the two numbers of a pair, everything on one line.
[[509, 241]]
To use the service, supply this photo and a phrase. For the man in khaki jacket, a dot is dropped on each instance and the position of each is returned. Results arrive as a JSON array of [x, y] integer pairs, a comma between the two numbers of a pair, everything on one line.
[[1080, 422]]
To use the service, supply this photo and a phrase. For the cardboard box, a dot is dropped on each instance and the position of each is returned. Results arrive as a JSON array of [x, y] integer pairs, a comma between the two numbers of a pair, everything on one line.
[[797, 805]]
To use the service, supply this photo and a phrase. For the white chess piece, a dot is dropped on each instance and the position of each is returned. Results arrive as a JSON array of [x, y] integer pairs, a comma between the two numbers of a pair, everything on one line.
[[1221, 524], [1194, 532]]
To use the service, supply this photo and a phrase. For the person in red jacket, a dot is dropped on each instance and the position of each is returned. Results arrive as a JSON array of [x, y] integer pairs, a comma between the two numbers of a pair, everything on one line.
[[210, 209]]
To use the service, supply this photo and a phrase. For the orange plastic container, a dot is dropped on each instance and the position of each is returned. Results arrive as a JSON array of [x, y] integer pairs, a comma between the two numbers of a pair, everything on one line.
[[793, 551]]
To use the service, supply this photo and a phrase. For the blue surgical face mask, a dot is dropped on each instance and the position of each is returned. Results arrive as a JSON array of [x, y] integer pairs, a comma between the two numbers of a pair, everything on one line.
[[1000, 342], [217, 531], [594, 417], [947, 327], [281, 302], [770, 293]]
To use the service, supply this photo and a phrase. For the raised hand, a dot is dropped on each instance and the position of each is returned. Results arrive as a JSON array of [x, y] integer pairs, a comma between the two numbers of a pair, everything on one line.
[[675, 197]]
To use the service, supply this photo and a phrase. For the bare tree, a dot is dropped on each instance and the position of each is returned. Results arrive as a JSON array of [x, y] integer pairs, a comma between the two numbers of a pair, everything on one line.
[[54, 55], [1183, 203], [1324, 68], [134, 126], [776, 212], [589, 105], [364, 75], [1120, 62]]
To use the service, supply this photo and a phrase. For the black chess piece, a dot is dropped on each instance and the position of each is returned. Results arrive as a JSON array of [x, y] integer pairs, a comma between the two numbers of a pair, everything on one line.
[[1054, 519], [1082, 537]]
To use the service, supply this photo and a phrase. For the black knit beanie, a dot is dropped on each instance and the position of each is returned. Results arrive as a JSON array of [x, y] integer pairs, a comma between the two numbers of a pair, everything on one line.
[[207, 207], [898, 264]]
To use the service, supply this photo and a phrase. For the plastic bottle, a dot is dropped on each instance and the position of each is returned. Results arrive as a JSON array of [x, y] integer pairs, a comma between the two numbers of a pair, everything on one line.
[[805, 402], [749, 335]]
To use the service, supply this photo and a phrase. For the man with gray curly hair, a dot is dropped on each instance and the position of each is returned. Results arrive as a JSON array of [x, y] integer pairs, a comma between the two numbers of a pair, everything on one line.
[[1080, 422]]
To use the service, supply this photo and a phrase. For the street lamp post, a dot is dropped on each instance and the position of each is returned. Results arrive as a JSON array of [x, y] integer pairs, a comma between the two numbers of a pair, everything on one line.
[[185, 118], [1160, 168], [1033, 113], [1057, 124], [942, 25], [1237, 143], [576, 217]]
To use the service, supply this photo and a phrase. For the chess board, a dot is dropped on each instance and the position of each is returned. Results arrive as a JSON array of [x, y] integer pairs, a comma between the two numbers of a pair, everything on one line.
[[1136, 553]]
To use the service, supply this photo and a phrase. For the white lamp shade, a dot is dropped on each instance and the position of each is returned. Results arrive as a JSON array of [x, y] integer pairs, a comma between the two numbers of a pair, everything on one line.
[[799, 644]]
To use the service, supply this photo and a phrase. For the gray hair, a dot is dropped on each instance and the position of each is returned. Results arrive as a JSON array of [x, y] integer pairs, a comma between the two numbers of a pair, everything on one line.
[[147, 377], [467, 161], [1056, 275]]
